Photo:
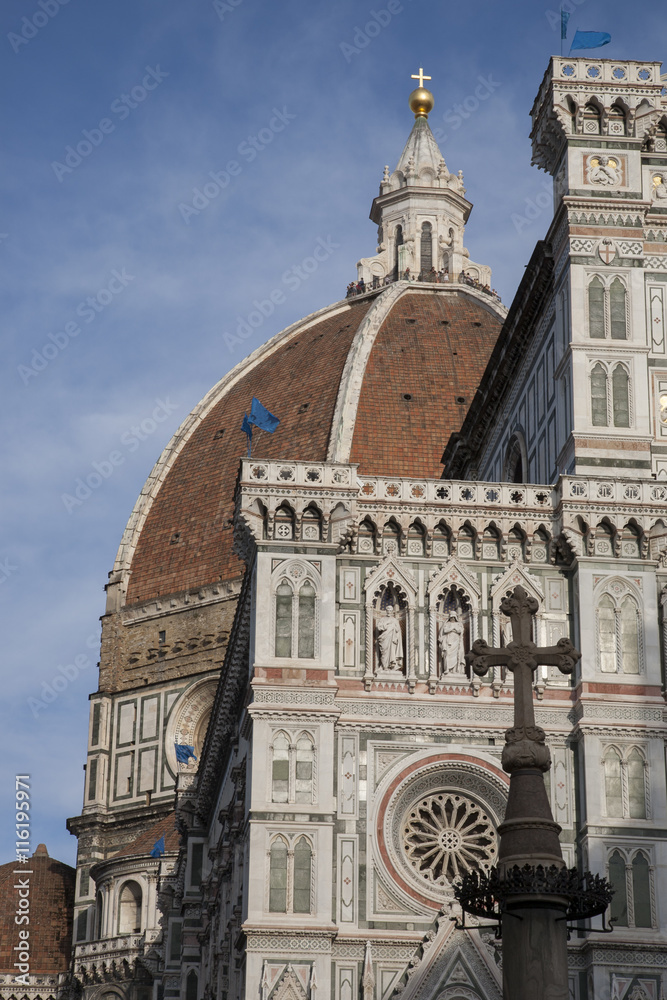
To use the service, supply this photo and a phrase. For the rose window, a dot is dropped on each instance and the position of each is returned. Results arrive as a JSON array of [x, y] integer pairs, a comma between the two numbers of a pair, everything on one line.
[[446, 835]]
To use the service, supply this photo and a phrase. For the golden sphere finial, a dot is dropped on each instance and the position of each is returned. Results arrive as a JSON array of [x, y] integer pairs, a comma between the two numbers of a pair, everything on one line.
[[421, 100]]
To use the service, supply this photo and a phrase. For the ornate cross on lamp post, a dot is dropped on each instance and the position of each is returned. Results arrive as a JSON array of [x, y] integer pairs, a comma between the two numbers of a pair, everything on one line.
[[530, 889], [524, 743]]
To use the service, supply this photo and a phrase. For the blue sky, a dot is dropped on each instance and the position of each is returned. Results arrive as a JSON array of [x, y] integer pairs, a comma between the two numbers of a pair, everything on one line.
[[118, 295]]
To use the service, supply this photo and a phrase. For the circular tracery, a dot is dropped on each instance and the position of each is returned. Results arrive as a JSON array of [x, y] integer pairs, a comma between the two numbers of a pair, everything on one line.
[[446, 835]]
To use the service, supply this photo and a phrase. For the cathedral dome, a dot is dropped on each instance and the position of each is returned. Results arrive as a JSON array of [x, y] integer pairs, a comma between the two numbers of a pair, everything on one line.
[[50, 895], [380, 379]]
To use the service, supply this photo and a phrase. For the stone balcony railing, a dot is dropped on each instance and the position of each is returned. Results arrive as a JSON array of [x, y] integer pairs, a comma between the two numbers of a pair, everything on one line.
[[104, 952], [285, 477]]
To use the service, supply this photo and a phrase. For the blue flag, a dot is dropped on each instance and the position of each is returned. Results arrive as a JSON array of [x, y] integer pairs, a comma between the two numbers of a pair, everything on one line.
[[246, 427], [589, 39], [260, 417], [184, 753], [564, 18], [158, 848]]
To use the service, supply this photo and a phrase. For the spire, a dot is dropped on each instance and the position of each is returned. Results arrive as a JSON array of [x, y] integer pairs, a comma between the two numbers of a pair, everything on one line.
[[368, 978], [421, 210]]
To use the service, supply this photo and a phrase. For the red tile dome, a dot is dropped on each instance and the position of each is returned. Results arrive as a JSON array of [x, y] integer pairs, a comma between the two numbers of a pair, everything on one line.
[[381, 380]]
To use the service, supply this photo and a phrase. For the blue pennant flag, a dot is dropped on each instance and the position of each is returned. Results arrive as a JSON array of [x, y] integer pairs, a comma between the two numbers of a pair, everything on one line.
[[184, 753], [564, 18], [260, 417], [589, 39], [246, 427], [158, 848]]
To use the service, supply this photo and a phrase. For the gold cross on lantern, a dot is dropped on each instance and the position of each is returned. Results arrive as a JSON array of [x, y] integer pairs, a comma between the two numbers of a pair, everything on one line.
[[420, 76]]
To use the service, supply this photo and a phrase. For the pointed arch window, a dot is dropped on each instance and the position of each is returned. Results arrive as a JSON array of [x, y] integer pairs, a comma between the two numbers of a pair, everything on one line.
[[304, 767], [599, 396], [191, 986], [616, 121], [617, 310], [596, 309], [607, 309], [290, 876], [284, 602], [295, 619], [278, 877], [613, 783], [426, 248], [398, 265], [280, 768], [660, 139], [620, 381], [303, 859], [619, 635], [641, 891], [636, 769], [617, 877], [592, 120], [626, 783], [292, 767], [632, 879]]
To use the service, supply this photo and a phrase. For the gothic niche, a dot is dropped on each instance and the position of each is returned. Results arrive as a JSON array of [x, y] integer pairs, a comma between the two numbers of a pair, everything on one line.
[[390, 611], [452, 616]]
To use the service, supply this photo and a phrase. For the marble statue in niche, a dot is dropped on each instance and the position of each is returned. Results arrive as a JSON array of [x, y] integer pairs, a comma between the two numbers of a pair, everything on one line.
[[452, 649], [389, 640]]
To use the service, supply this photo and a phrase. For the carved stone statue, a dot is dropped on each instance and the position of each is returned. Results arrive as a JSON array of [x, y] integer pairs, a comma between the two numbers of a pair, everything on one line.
[[451, 646], [604, 170], [390, 641]]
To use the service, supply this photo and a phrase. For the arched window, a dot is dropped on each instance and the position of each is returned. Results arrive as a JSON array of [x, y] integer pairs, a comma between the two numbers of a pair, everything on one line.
[[619, 635], [280, 769], [514, 470], [613, 783], [416, 538], [619, 903], [616, 120], [191, 985], [283, 528], [591, 120], [391, 536], [307, 597], [305, 758], [607, 309], [278, 877], [617, 310], [607, 635], [398, 243], [599, 396], [636, 770], [629, 636], [284, 597], [426, 255], [366, 537], [302, 876], [290, 876], [660, 139], [311, 525], [491, 543], [621, 396], [641, 891], [129, 909], [596, 309], [440, 540], [295, 616]]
